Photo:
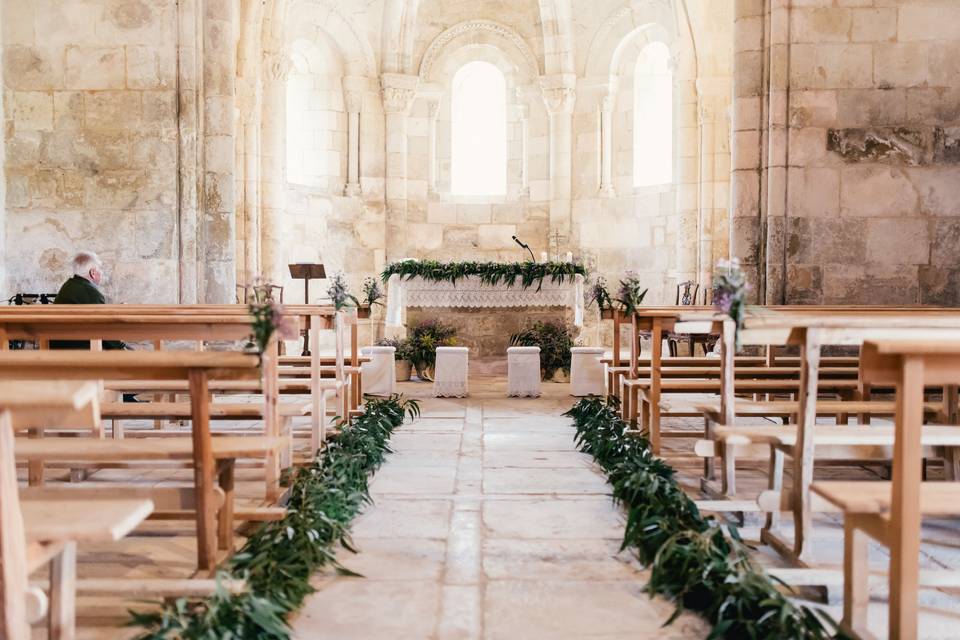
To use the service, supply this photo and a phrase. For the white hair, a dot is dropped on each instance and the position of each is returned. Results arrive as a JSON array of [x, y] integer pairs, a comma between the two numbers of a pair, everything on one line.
[[84, 261]]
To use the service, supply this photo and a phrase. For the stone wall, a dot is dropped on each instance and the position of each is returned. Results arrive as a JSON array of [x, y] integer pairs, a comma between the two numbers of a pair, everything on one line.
[[91, 138], [846, 176]]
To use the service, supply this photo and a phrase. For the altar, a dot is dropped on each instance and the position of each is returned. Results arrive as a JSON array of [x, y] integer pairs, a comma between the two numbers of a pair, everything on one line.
[[471, 292]]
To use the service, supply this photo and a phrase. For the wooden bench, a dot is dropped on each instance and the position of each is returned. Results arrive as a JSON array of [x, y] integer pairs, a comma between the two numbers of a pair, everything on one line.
[[869, 512], [195, 367], [32, 534]]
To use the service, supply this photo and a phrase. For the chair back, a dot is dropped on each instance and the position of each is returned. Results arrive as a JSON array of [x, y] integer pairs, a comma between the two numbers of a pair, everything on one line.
[[687, 293], [245, 292]]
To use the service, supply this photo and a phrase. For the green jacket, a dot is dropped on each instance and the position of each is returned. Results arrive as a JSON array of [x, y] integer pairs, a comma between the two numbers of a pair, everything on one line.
[[79, 290]]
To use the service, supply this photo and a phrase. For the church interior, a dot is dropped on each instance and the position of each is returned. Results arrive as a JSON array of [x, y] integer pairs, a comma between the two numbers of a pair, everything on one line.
[[479, 319]]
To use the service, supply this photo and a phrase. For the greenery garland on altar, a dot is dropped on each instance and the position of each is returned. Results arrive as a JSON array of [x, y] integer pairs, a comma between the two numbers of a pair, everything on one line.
[[490, 273], [700, 565], [278, 560]]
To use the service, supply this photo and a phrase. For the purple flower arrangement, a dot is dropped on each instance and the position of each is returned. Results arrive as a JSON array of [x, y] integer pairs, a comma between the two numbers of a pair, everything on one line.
[[339, 292], [599, 294], [730, 289], [269, 319]]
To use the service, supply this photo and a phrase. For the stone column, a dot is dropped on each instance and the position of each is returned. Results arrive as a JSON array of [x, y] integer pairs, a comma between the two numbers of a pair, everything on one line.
[[273, 159], [523, 109], [559, 95], [746, 215], [189, 56], [433, 104], [353, 89], [399, 92], [608, 103], [250, 118], [686, 177], [217, 228]]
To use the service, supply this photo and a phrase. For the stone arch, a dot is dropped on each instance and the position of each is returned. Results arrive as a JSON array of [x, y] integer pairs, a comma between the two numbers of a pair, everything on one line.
[[556, 19], [480, 33], [398, 35], [307, 18], [650, 19]]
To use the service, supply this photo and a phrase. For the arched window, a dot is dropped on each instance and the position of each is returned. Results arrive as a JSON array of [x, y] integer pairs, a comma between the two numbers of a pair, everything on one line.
[[653, 117], [479, 131], [316, 122]]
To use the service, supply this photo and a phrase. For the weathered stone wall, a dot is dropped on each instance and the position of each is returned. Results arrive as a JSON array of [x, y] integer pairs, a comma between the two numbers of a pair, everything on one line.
[[847, 182], [91, 139]]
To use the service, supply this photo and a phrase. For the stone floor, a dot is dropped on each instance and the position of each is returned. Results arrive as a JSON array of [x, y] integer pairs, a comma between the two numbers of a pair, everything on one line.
[[488, 524]]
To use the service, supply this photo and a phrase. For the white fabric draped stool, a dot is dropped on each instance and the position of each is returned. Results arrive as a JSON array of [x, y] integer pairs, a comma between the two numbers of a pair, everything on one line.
[[587, 375], [523, 372], [450, 373], [379, 375]]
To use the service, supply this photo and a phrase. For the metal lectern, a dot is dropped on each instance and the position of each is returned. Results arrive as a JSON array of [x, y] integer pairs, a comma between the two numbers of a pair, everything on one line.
[[307, 272]]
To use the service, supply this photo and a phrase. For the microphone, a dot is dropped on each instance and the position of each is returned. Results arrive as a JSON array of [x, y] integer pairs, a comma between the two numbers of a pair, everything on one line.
[[525, 246]]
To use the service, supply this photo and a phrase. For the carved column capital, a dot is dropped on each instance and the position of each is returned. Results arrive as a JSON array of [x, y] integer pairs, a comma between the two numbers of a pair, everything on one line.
[[399, 92], [559, 93], [277, 65]]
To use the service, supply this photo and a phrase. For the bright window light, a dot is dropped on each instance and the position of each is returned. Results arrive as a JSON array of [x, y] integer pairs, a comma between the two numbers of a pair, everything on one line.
[[653, 117], [479, 135]]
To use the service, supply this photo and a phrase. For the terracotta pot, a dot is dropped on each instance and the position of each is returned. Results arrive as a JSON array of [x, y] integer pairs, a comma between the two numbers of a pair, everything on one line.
[[404, 370], [560, 376]]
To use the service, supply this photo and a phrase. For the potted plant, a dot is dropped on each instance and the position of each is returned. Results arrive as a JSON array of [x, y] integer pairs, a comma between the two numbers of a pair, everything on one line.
[[424, 340], [401, 357], [629, 296], [554, 339]]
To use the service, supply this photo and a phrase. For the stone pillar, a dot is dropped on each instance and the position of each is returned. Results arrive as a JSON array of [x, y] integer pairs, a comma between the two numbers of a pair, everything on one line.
[[433, 104], [218, 223], [273, 159], [3, 181], [746, 214], [608, 103], [353, 89], [399, 92], [189, 57], [523, 109], [772, 284], [686, 172], [250, 123], [559, 95]]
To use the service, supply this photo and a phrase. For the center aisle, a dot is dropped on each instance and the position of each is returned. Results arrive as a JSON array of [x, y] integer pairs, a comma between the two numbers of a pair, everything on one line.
[[489, 524]]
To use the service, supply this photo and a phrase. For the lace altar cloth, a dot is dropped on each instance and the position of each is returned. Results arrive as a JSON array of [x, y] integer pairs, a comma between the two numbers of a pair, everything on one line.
[[472, 294]]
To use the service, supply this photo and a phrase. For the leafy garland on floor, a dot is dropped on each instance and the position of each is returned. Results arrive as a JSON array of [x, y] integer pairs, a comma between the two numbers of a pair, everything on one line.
[[279, 559], [490, 273], [697, 563]]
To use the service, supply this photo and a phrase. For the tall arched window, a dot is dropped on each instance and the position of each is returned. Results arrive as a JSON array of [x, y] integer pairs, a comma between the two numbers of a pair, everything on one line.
[[479, 131], [653, 117]]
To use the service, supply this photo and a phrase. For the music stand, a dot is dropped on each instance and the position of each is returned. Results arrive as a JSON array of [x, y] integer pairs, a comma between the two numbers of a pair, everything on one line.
[[306, 271]]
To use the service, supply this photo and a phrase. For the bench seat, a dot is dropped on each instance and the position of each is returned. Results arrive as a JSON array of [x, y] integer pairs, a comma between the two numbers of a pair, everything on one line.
[[786, 408], [741, 386], [181, 410], [94, 450], [867, 497], [876, 435], [70, 520]]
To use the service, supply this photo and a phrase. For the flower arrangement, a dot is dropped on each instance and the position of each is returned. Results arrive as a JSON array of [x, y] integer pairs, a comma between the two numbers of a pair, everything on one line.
[[599, 294], [372, 293], [424, 340], [490, 273], [340, 294], [554, 339], [268, 318], [402, 346], [730, 289], [629, 296]]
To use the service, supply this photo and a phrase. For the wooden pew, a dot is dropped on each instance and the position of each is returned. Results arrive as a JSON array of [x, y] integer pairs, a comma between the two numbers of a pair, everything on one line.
[[202, 449], [891, 512], [34, 534]]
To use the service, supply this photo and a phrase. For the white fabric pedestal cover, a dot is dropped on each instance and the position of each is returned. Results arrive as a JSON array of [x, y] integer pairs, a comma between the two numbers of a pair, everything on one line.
[[523, 372], [450, 373], [587, 373], [380, 374]]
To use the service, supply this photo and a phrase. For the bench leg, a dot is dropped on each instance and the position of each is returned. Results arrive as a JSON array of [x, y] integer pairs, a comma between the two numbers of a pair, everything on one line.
[[709, 467], [625, 404], [729, 463], [35, 468], [775, 483], [225, 523], [951, 464], [61, 618], [856, 575]]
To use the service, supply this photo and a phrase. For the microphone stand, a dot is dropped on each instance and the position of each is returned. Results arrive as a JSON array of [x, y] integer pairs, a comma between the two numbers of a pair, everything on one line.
[[525, 246]]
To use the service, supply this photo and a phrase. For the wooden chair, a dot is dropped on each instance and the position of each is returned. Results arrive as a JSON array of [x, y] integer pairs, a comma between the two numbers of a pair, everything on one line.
[[687, 295]]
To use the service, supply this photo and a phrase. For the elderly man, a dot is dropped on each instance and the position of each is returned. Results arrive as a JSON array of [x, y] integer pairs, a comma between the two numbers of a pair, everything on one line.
[[84, 288]]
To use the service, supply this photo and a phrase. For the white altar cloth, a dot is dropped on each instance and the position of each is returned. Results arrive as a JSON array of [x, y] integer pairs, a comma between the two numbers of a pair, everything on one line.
[[471, 293]]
